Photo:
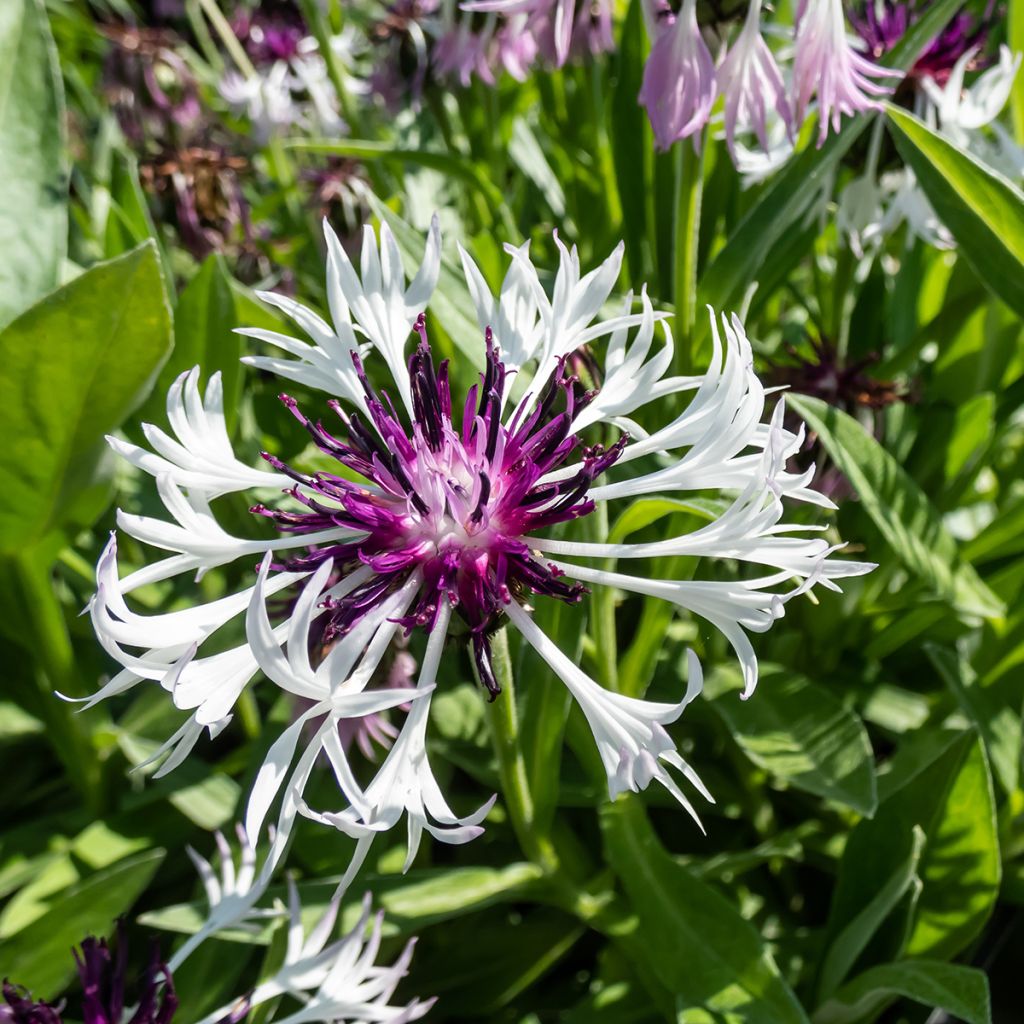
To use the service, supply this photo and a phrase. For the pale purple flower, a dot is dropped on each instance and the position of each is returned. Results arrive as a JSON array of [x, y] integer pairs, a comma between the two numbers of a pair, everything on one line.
[[750, 80], [463, 52], [826, 64], [678, 88]]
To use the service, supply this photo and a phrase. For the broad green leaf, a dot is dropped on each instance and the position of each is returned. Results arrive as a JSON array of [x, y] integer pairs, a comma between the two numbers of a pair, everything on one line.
[[987, 707], [1015, 33], [946, 791], [698, 945], [33, 168], [75, 365], [961, 992], [899, 508], [526, 151], [848, 944], [791, 194], [412, 901], [982, 209], [39, 956], [799, 732]]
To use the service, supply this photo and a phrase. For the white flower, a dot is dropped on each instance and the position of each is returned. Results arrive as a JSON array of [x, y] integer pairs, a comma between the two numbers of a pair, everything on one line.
[[434, 516], [232, 897], [336, 982]]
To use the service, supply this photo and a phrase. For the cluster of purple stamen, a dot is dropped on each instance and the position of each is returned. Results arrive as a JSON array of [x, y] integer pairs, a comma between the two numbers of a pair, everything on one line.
[[452, 505], [883, 28]]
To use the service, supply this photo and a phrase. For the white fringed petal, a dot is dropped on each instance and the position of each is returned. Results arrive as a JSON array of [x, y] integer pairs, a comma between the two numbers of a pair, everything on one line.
[[405, 785], [199, 457], [629, 733]]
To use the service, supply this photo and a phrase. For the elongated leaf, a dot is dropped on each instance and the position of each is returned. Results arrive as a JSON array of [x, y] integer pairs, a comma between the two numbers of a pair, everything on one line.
[[75, 365], [961, 991], [455, 166], [997, 721], [39, 956], [947, 792], [797, 731], [411, 901], [33, 169], [899, 508], [697, 943], [982, 209], [851, 941]]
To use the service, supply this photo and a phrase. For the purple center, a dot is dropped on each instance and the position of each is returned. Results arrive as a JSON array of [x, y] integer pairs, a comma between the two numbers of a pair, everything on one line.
[[882, 28], [452, 506]]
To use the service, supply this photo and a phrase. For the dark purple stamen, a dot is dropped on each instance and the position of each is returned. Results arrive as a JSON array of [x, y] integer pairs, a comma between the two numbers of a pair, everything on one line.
[[455, 505]]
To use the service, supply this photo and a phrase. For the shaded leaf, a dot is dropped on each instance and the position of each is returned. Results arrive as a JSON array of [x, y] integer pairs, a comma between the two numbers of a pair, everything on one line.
[[960, 991], [798, 731], [697, 944], [33, 169], [899, 508]]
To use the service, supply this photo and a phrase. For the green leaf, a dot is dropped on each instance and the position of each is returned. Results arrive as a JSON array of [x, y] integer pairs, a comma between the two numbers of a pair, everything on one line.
[[39, 956], [698, 945], [412, 901], [961, 992], [947, 792], [205, 319], [899, 508], [982, 209], [75, 365], [33, 168], [799, 732], [447, 163], [988, 708], [853, 938]]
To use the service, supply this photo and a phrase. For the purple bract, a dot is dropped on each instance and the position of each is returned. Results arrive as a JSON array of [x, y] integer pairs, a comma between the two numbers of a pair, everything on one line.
[[452, 506]]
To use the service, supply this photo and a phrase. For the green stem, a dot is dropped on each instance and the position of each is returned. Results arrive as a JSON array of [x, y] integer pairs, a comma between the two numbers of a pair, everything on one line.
[[606, 160], [314, 16], [227, 37], [515, 784], [689, 190], [47, 634]]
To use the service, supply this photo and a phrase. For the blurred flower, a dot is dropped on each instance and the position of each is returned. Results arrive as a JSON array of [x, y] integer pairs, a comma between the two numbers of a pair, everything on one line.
[[273, 32], [102, 977], [752, 85], [883, 23], [204, 195], [149, 85], [678, 87], [826, 64], [430, 520]]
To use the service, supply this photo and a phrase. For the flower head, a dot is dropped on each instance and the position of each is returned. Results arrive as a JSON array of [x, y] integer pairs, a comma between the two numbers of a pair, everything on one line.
[[438, 515], [678, 87], [101, 973], [752, 85], [827, 65]]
